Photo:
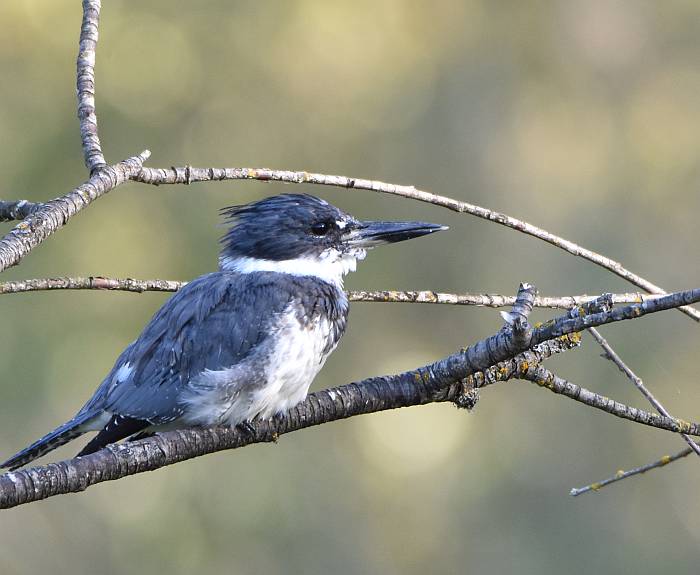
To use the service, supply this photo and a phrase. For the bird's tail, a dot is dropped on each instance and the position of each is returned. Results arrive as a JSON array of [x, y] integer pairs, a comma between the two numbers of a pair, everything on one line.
[[80, 424]]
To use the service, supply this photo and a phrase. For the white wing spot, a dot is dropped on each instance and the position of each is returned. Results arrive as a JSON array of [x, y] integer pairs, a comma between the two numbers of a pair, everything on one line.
[[123, 373]]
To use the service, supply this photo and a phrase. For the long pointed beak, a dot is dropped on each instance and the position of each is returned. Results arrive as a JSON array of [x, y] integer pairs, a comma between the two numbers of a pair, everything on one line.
[[370, 234]]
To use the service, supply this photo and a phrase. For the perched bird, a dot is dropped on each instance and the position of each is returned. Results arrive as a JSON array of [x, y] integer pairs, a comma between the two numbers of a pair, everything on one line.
[[245, 341]]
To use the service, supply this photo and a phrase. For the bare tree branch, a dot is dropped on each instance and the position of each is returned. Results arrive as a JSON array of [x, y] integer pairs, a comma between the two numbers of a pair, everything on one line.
[[89, 283], [517, 350], [620, 475], [415, 387], [548, 380], [638, 383], [189, 175], [43, 222], [92, 150], [384, 296]]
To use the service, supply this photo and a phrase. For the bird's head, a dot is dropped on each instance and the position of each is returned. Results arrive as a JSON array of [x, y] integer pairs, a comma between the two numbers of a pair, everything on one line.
[[305, 235]]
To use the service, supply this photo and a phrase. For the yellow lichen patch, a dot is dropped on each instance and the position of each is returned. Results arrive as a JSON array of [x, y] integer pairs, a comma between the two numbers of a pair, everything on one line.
[[250, 173], [665, 460], [416, 377], [548, 383], [620, 473], [574, 337], [683, 425], [596, 486], [524, 366]]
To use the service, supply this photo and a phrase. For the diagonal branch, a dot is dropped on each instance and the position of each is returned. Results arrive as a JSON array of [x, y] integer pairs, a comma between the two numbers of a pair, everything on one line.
[[368, 396], [92, 150], [620, 475], [51, 216], [612, 355], [189, 175], [434, 382], [548, 380]]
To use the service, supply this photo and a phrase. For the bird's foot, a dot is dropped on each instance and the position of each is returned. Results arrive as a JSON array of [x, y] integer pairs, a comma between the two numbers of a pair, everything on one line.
[[248, 430]]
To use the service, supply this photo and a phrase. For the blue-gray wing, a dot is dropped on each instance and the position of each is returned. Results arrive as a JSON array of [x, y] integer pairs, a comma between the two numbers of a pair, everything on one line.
[[213, 323]]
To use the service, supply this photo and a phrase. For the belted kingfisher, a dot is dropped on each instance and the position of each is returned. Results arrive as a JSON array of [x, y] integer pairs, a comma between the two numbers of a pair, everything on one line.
[[243, 342]]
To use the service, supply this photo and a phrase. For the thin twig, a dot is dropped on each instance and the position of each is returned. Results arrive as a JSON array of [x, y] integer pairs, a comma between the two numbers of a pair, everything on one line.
[[384, 296], [548, 380], [92, 150], [188, 175], [40, 224], [638, 383], [620, 475]]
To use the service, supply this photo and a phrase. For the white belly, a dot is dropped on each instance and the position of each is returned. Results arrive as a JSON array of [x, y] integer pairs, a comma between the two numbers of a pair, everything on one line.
[[293, 364], [266, 383]]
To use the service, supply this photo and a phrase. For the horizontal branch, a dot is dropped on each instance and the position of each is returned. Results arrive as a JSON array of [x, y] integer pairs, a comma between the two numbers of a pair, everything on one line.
[[384, 296], [52, 215], [190, 175], [89, 283]]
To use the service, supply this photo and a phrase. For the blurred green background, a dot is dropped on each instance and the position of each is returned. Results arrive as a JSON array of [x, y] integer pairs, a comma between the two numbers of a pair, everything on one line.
[[581, 116]]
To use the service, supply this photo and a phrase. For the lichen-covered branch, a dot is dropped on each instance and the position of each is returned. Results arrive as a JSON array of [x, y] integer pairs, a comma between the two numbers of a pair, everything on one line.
[[576, 323], [613, 356], [51, 216], [92, 150], [376, 394], [384, 296], [89, 283], [444, 380], [548, 380], [620, 475], [189, 175]]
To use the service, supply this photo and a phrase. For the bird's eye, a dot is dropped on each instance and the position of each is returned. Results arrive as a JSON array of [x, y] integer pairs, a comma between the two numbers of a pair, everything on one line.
[[320, 228]]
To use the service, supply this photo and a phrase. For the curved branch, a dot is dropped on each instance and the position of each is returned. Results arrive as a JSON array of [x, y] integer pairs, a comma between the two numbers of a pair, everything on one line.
[[92, 150], [51, 216], [189, 174]]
